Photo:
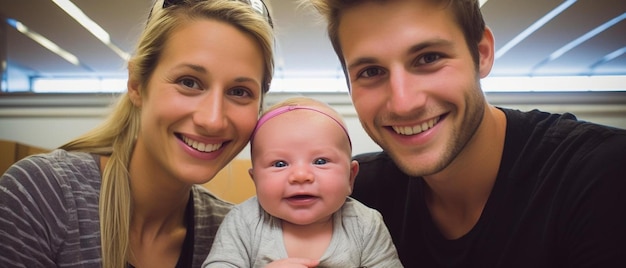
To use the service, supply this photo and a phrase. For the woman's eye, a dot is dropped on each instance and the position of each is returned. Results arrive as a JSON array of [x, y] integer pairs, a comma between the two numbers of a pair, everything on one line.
[[279, 164], [240, 92], [429, 58], [188, 82], [320, 161]]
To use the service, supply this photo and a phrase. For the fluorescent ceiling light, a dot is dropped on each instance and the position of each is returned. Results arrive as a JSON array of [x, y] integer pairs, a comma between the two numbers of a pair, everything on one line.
[[609, 57], [554, 83], [534, 27], [489, 84], [586, 37], [85, 21], [338, 85], [576, 42], [44, 42], [78, 85], [90, 25], [308, 85]]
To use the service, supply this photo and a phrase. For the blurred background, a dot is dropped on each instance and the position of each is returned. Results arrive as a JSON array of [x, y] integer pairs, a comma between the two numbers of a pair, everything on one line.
[[63, 62]]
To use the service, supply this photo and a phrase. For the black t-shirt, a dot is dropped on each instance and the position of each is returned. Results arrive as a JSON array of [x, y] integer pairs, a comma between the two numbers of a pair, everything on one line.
[[559, 200]]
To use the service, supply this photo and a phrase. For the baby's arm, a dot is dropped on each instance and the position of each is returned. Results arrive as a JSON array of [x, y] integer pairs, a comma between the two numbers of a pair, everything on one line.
[[231, 244], [379, 250]]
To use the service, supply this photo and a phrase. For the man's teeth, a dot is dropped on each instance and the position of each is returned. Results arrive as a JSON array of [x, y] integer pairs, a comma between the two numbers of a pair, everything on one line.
[[416, 129], [207, 148]]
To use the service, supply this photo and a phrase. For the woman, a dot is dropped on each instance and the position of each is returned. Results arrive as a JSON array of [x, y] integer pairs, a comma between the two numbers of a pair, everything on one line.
[[125, 194]]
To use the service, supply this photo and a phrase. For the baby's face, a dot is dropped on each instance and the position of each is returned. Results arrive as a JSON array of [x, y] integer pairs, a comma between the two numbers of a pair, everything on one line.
[[301, 167]]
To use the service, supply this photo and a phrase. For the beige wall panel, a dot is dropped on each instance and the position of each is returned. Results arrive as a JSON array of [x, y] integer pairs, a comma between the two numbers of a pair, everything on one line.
[[233, 183]]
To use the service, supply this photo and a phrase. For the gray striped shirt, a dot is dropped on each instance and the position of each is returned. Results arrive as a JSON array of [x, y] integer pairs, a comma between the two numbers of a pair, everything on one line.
[[49, 213]]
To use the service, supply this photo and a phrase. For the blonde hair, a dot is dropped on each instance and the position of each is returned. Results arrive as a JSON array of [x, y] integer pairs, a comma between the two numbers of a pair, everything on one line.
[[115, 137]]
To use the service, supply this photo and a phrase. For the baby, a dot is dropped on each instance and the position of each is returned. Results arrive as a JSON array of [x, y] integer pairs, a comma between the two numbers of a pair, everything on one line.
[[302, 216]]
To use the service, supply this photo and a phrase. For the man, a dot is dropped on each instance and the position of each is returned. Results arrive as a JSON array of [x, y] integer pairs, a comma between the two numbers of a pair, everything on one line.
[[462, 183]]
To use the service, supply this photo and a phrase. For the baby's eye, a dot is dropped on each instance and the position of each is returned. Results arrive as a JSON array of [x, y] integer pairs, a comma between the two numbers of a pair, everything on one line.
[[280, 164], [320, 161]]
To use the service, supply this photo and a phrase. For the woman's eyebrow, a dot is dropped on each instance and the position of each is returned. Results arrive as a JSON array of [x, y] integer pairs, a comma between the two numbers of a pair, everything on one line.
[[194, 67]]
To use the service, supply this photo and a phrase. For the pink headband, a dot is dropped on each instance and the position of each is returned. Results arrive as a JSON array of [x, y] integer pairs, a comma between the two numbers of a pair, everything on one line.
[[281, 110]]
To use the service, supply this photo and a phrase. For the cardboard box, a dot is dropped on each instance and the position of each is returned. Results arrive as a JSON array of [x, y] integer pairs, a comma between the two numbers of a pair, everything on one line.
[[11, 152], [233, 183]]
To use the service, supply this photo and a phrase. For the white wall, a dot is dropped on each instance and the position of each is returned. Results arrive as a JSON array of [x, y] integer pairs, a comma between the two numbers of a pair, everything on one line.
[[51, 121]]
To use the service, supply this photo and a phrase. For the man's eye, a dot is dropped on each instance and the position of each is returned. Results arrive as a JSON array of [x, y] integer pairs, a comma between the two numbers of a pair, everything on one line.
[[320, 161], [371, 72], [279, 164], [429, 58]]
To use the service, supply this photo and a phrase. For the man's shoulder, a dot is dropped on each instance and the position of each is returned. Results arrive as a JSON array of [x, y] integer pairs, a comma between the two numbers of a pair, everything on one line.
[[371, 156], [378, 159], [556, 130], [554, 122], [377, 166], [562, 143], [379, 180]]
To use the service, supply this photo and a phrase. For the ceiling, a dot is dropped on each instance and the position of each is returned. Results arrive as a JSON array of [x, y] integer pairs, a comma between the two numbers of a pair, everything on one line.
[[303, 49]]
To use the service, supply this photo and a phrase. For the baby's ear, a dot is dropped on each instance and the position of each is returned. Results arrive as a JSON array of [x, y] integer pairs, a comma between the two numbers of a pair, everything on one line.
[[251, 173], [354, 170]]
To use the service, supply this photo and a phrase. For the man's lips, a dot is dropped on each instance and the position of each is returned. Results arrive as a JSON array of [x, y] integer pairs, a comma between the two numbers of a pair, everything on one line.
[[418, 128]]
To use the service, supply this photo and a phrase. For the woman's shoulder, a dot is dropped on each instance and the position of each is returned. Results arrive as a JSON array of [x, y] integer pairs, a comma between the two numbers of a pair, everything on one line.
[[62, 165], [60, 181], [207, 203]]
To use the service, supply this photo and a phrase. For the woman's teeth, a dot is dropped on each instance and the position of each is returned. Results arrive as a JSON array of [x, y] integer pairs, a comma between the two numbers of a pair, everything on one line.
[[206, 148]]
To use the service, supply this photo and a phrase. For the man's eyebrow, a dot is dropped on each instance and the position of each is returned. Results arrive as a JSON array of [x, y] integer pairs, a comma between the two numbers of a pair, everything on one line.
[[413, 49], [361, 61], [430, 43]]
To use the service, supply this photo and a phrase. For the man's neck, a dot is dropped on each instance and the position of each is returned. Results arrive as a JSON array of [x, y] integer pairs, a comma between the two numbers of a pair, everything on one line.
[[457, 195]]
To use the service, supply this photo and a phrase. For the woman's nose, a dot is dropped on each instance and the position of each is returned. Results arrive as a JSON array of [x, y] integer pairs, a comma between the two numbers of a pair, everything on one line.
[[210, 113]]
